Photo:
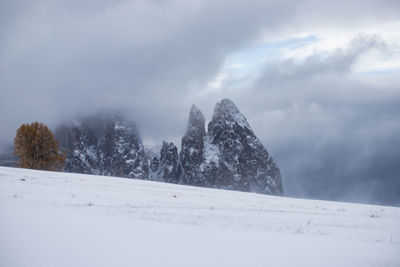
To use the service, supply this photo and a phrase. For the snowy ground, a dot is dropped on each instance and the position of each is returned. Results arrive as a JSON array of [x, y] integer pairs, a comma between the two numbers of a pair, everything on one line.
[[60, 219]]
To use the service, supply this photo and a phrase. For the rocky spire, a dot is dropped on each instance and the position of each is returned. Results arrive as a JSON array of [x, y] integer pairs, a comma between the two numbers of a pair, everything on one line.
[[243, 164], [192, 149], [196, 124], [228, 156], [227, 111], [170, 168]]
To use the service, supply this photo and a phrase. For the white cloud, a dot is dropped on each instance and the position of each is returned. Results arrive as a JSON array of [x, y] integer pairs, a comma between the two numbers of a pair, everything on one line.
[[330, 39]]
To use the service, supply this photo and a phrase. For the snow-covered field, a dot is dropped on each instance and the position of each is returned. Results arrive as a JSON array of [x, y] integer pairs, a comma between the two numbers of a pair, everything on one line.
[[60, 219]]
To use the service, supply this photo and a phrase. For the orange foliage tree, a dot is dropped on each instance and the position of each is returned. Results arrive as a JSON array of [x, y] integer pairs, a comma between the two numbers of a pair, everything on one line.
[[37, 148]]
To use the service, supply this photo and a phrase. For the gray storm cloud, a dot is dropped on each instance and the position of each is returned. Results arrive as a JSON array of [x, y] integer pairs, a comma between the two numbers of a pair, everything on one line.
[[327, 129], [335, 135]]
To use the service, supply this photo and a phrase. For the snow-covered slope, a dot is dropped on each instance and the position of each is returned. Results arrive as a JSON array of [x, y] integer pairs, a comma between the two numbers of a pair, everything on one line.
[[62, 219]]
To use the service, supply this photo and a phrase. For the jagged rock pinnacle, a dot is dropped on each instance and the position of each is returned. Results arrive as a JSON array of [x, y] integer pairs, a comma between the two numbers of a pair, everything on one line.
[[243, 162], [228, 155], [170, 167], [228, 111], [196, 121], [192, 150]]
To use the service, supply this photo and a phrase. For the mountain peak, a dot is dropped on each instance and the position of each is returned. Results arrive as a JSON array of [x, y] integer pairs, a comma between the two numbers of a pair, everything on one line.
[[242, 163], [196, 121], [195, 111], [227, 110]]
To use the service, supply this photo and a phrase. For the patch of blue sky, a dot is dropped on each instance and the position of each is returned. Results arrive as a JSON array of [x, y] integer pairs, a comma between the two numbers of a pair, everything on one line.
[[246, 64], [259, 52]]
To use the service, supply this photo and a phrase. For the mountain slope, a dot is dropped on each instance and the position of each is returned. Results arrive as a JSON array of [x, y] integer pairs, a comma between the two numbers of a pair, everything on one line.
[[243, 163], [63, 219], [106, 144], [227, 156]]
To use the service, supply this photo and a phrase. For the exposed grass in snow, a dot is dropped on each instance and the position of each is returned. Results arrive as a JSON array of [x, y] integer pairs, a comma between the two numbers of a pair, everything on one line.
[[60, 219]]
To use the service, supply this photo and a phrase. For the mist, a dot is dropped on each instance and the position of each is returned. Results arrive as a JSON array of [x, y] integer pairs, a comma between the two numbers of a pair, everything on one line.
[[319, 83]]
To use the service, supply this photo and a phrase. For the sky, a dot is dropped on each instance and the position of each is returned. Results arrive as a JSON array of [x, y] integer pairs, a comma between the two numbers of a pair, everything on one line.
[[318, 81]]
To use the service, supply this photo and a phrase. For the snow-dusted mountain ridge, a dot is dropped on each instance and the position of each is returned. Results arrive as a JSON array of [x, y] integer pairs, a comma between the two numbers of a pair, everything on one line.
[[228, 155], [104, 144], [243, 162]]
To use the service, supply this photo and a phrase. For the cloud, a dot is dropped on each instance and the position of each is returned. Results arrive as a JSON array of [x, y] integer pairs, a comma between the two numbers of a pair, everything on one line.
[[153, 59], [59, 60], [332, 132]]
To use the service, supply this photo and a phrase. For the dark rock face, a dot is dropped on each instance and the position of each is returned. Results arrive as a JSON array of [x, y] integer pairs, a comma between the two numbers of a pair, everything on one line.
[[243, 162], [169, 166], [80, 143], [104, 145], [227, 156], [192, 151]]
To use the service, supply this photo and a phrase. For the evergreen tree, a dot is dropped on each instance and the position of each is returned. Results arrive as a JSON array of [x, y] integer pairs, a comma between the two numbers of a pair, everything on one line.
[[36, 148]]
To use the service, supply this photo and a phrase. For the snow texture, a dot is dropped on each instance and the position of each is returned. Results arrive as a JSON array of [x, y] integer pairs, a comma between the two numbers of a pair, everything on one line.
[[228, 111], [63, 219], [243, 162], [104, 144], [228, 155], [211, 152]]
